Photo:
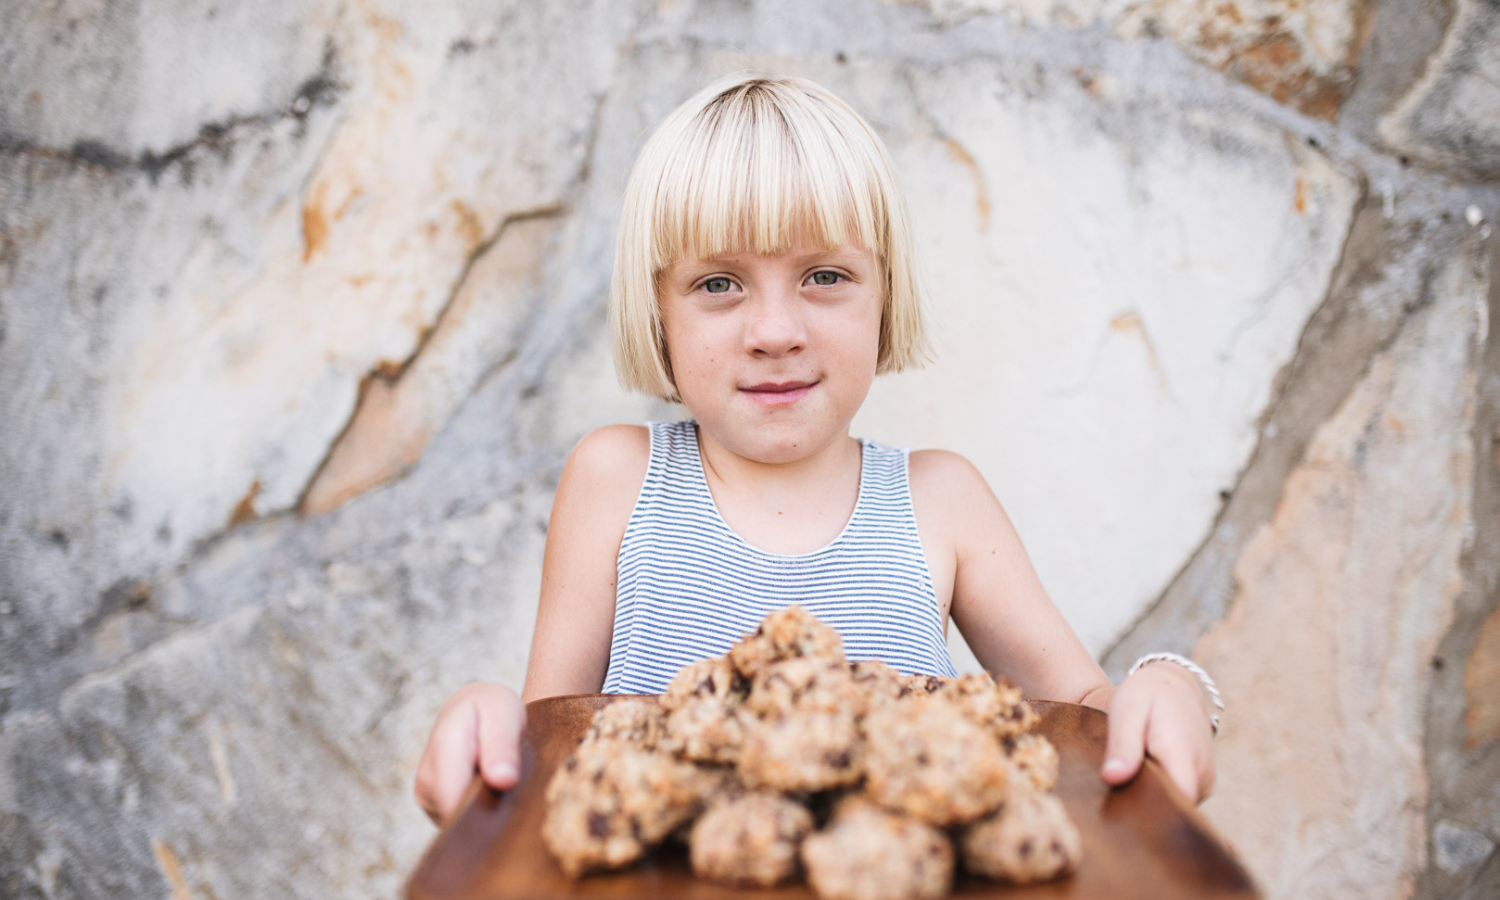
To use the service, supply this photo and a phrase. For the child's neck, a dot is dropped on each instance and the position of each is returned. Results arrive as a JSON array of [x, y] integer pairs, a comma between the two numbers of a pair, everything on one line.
[[785, 508]]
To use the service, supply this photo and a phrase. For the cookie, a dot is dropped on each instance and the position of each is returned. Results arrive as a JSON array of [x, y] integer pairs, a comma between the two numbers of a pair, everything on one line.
[[803, 752], [705, 705], [710, 679], [868, 853], [1030, 839], [878, 680], [750, 839], [805, 734], [636, 721], [1034, 758], [923, 684], [786, 634], [925, 758], [996, 704], [810, 684], [612, 799]]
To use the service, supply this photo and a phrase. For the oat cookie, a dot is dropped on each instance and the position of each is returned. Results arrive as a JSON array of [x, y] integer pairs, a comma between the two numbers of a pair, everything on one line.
[[785, 634], [879, 681], [705, 710], [805, 736], [709, 679], [1035, 760], [924, 758], [923, 684], [636, 721], [996, 704], [868, 853], [750, 839], [1030, 839], [806, 685], [803, 752], [612, 799]]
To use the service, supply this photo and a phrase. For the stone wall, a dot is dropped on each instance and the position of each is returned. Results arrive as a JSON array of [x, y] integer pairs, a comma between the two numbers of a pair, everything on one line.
[[301, 309]]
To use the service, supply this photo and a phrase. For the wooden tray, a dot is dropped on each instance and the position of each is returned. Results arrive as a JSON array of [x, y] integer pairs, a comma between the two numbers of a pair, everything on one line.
[[1142, 841]]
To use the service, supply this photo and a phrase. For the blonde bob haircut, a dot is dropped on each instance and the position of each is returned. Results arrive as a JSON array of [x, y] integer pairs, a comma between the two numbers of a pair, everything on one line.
[[762, 164]]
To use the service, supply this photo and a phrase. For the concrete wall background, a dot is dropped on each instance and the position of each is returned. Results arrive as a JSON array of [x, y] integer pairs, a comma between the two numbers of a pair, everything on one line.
[[300, 311]]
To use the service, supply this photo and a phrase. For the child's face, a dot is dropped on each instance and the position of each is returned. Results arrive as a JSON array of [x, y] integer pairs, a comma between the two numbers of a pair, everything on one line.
[[773, 355]]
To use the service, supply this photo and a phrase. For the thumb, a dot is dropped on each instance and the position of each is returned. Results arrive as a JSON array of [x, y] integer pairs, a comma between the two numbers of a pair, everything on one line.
[[501, 718], [1127, 739]]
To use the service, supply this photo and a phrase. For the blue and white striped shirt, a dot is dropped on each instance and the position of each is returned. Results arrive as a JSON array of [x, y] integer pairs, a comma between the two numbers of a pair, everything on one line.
[[689, 586]]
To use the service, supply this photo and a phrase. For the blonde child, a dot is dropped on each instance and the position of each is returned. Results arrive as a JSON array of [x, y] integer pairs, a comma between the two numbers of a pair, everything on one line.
[[763, 277]]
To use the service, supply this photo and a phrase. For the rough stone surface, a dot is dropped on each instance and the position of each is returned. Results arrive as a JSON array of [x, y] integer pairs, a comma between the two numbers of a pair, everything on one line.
[[1299, 53], [301, 309], [1463, 764], [1345, 595], [1144, 392], [1482, 687], [1451, 117], [1460, 849]]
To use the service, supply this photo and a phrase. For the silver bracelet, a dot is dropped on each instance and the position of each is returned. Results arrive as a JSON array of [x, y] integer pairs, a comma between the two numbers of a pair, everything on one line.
[[1197, 670]]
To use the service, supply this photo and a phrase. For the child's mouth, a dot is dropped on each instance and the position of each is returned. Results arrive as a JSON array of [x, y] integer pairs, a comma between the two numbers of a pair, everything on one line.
[[783, 393]]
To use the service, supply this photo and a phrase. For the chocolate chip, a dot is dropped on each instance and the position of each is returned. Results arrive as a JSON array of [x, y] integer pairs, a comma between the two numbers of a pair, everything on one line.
[[923, 759], [839, 760], [1056, 848], [598, 825], [1025, 849]]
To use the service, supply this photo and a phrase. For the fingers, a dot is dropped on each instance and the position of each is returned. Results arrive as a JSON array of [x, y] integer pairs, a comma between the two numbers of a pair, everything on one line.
[[1182, 768], [479, 728], [501, 716], [447, 764], [1128, 718]]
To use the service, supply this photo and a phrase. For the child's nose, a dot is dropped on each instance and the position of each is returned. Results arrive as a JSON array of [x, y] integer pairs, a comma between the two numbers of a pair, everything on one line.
[[775, 327]]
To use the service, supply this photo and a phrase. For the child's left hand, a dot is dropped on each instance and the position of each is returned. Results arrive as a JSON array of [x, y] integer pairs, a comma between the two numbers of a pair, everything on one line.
[[1161, 710]]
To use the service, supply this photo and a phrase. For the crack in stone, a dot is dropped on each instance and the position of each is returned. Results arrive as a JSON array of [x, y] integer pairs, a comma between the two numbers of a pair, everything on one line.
[[1456, 771], [1198, 595], [392, 373], [1337, 301], [321, 89]]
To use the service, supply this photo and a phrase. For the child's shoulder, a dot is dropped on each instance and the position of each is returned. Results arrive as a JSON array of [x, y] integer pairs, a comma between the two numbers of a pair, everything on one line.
[[613, 452], [601, 479], [943, 473], [944, 489]]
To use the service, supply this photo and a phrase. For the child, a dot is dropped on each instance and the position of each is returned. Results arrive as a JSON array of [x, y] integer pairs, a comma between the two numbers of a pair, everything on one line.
[[763, 276]]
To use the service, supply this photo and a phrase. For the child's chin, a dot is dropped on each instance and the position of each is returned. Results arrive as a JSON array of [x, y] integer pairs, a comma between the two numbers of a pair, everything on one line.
[[786, 448]]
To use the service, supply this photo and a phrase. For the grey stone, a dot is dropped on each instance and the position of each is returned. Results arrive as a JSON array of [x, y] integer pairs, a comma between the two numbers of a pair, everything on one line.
[[122, 85], [1451, 117], [1459, 849]]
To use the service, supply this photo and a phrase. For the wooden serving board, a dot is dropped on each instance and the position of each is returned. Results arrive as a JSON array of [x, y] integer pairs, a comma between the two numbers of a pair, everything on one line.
[[1144, 841]]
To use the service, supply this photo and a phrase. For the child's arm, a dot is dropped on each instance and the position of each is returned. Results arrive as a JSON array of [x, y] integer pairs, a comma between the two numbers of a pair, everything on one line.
[[480, 725], [1014, 629]]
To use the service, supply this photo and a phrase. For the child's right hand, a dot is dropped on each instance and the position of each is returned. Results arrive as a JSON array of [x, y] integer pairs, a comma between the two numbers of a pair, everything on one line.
[[478, 728]]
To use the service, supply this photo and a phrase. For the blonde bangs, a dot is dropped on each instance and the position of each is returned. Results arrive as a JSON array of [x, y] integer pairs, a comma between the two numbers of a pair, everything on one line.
[[761, 172], [763, 165]]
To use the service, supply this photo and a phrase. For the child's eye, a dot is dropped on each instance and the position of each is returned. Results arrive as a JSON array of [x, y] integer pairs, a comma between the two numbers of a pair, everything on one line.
[[717, 285], [825, 278]]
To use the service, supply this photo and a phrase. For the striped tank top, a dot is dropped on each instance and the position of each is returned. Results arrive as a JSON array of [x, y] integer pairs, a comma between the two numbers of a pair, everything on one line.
[[689, 587]]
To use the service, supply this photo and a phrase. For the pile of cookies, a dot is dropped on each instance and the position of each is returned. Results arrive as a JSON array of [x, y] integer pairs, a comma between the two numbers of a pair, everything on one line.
[[781, 758]]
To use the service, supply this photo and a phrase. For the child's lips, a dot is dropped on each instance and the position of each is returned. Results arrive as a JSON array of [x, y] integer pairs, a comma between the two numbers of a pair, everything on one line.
[[778, 393]]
